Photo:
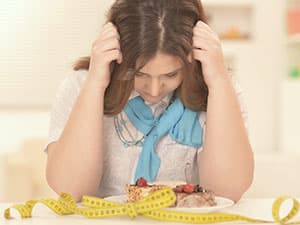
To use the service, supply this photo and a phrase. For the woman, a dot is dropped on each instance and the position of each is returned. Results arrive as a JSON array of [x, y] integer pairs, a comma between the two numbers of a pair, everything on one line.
[[153, 100]]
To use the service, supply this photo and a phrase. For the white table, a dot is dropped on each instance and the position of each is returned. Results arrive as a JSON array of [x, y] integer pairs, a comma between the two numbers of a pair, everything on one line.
[[254, 208]]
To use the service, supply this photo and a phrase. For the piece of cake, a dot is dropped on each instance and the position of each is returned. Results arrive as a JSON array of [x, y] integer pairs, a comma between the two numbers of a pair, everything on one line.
[[187, 195]]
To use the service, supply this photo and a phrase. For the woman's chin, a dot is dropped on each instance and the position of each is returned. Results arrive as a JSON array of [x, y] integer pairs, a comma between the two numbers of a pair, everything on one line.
[[151, 100]]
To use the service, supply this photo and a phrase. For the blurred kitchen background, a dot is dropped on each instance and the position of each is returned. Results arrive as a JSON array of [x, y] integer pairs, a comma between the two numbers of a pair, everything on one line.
[[39, 41]]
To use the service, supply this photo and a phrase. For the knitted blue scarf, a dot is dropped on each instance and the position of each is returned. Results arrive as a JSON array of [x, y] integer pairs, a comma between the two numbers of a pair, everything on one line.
[[179, 122]]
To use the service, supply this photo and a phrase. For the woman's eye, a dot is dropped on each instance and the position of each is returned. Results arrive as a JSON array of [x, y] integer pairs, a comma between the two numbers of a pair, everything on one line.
[[137, 74], [172, 74]]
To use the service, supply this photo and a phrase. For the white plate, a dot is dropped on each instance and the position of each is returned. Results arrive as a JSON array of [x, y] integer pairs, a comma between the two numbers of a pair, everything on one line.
[[221, 204]]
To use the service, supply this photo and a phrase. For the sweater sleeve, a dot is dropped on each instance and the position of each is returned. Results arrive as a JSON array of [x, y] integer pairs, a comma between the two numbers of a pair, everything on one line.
[[63, 102]]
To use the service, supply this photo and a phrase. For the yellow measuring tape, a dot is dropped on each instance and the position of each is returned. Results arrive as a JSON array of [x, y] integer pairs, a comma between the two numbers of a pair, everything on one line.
[[151, 206]]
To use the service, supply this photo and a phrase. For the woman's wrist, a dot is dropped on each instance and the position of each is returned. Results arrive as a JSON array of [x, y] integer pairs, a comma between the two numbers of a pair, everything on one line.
[[93, 84], [220, 83]]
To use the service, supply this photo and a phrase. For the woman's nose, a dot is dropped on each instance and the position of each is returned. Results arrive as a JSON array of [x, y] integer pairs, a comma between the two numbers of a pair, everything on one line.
[[155, 87]]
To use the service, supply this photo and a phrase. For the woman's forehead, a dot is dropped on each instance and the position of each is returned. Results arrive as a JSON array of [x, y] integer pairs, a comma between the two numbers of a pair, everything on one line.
[[160, 63]]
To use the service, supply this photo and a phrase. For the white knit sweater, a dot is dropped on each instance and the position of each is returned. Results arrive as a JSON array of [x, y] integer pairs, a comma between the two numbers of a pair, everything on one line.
[[120, 162]]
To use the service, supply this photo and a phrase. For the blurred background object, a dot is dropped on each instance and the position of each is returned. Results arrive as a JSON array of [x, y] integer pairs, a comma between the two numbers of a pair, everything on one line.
[[293, 18], [39, 41], [231, 21], [23, 172]]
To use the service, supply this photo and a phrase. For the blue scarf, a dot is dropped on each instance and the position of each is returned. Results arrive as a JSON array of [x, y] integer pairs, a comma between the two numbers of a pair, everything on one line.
[[179, 122]]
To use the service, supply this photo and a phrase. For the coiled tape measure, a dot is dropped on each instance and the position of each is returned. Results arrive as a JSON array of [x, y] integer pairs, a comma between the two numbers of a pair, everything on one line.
[[151, 206]]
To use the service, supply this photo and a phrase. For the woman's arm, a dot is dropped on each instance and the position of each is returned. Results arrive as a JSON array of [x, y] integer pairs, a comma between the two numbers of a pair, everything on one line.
[[74, 162], [226, 163]]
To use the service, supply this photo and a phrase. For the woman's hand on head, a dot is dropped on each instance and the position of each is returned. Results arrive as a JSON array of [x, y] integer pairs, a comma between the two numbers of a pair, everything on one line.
[[105, 49], [208, 50]]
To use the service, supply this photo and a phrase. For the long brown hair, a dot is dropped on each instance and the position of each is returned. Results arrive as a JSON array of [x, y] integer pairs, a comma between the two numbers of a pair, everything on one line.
[[147, 27]]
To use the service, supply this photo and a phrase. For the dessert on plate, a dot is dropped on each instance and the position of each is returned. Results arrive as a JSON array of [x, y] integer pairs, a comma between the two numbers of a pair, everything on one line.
[[187, 195]]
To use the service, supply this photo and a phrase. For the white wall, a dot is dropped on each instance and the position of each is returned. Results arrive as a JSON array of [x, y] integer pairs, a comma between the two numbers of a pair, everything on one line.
[[39, 40], [18, 125]]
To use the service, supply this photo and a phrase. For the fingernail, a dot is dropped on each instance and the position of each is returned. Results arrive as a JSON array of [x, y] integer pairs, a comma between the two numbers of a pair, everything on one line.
[[108, 23]]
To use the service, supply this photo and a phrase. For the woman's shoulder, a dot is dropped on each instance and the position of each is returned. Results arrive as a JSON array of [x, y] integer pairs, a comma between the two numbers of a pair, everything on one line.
[[75, 77], [71, 83]]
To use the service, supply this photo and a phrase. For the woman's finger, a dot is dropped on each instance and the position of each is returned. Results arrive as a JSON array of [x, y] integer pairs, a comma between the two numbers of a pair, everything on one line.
[[109, 30], [108, 45], [205, 29], [108, 35], [201, 24], [106, 27], [204, 44], [199, 55], [204, 33]]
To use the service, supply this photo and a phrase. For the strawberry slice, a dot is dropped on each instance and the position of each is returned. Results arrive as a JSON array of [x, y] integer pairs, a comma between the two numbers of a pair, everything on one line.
[[141, 182], [188, 188]]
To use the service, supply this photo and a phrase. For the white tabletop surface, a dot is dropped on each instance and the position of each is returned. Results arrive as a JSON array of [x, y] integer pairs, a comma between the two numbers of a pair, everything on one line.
[[254, 208]]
